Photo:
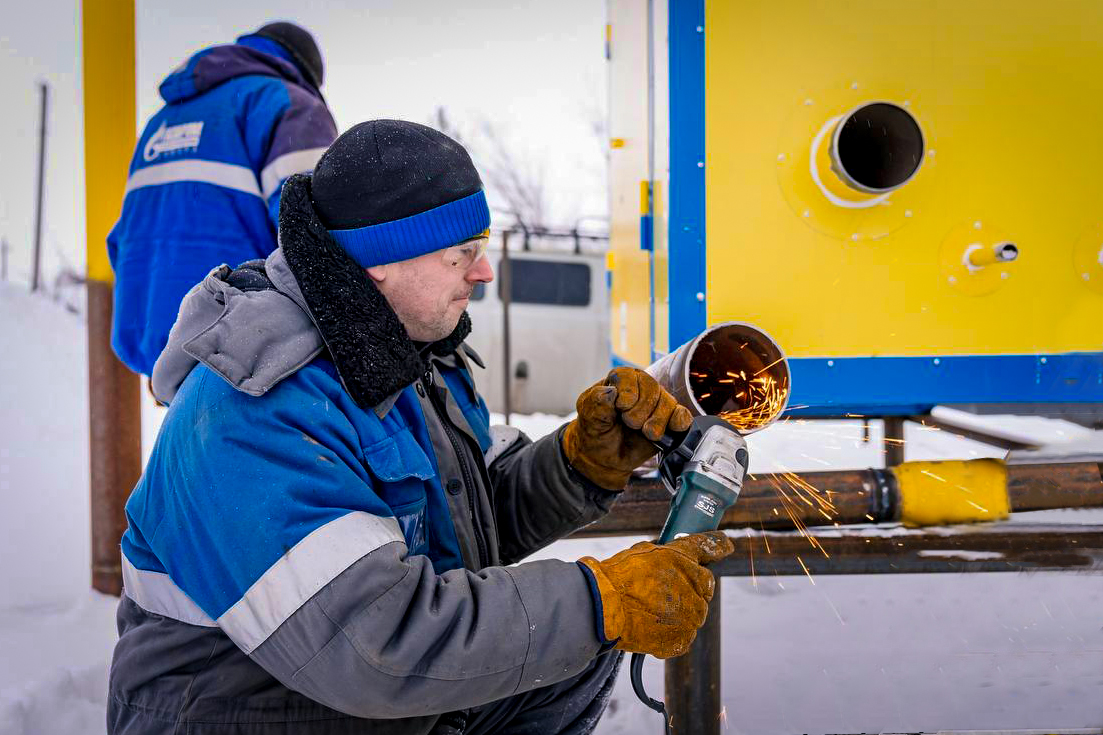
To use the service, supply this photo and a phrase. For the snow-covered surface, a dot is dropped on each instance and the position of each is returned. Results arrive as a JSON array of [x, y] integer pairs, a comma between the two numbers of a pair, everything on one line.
[[43, 445], [1087, 448], [1023, 429], [843, 654], [55, 634]]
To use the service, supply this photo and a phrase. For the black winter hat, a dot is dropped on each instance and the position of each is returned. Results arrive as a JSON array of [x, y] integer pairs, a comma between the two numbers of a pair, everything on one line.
[[300, 44], [389, 190]]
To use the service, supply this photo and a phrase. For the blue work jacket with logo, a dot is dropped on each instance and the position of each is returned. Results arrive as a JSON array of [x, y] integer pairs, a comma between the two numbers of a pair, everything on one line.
[[204, 183]]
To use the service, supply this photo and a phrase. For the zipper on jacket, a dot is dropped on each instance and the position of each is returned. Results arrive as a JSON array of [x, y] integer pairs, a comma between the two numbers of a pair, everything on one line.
[[465, 470]]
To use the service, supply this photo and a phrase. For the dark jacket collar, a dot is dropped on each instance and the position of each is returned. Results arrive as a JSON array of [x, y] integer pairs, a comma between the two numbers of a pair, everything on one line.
[[370, 348]]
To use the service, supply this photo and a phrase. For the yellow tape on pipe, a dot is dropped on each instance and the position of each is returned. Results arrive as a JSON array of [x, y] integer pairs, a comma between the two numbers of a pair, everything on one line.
[[937, 493]]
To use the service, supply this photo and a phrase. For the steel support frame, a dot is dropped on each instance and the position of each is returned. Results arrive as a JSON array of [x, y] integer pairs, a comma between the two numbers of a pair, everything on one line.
[[693, 680]]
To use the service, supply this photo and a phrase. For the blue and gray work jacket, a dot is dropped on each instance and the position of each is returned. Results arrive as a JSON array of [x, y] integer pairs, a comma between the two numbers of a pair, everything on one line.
[[204, 182], [318, 543]]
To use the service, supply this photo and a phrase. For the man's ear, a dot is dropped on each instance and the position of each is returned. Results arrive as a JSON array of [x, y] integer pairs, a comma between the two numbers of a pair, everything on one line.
[[377, 273]]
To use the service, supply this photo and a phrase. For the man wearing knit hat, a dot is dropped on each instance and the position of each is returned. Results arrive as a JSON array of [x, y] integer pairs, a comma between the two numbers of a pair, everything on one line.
[[205, 177], [320, 541]]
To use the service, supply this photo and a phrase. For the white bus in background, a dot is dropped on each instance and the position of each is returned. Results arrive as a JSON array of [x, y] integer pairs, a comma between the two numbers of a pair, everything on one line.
[[559, 327]]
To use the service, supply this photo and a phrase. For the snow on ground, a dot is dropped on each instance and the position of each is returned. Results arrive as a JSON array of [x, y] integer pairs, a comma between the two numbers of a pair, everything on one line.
[[55, 633], [846, 654], [43, 444]]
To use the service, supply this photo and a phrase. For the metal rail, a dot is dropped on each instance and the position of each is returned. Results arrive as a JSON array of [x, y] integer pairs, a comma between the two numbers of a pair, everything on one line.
[[859, 496], [693, 680]]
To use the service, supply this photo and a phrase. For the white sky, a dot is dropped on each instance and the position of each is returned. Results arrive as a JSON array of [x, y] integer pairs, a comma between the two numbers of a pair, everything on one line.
[[534, 68]]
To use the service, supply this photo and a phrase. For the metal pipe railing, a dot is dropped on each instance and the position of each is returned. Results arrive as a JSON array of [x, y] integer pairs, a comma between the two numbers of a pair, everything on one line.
[[858, 496]]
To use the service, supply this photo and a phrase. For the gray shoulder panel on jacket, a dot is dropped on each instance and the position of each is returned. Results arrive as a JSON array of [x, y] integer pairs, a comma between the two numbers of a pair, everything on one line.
[[251, 339]]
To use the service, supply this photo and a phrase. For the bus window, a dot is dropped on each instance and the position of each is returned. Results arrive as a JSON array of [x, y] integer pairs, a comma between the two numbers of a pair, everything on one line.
[[548, 282]]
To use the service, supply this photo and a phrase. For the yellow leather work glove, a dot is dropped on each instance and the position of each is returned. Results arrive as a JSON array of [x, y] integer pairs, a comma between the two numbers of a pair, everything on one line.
[[618, 419], [654, 598]]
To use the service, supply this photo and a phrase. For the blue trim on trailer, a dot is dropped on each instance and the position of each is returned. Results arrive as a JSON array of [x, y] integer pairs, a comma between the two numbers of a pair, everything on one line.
[[686, 236], [909, 385], [647, 235], [619, 361]]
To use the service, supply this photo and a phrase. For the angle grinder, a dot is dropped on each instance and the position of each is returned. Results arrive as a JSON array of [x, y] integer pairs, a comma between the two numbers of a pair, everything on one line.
[[704, 470]]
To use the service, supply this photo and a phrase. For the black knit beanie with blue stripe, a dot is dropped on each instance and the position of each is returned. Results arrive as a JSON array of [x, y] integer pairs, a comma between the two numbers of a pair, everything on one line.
[[390, 190]]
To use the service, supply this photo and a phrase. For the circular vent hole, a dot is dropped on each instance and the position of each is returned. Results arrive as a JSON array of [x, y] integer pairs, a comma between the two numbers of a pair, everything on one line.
[[878, 147]]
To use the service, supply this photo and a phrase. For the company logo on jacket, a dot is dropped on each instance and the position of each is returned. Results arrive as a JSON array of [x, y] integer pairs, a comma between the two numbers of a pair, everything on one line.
[[175, 139]]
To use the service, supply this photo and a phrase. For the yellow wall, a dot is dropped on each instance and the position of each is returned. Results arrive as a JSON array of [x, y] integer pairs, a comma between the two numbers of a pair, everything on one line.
[[630, 296], [660, 189], [1007, 95]]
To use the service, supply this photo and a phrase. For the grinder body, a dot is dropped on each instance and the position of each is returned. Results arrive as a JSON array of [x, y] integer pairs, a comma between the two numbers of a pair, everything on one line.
[[704, 472]]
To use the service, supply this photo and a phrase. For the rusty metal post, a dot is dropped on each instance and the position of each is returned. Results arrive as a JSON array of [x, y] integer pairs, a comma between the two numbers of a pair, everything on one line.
[[115, 440], [692, 681], [505, 289], [113, 391], [894, 441]]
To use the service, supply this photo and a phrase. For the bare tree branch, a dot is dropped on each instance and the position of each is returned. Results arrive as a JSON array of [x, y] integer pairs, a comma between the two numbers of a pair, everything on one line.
[[519, 182]]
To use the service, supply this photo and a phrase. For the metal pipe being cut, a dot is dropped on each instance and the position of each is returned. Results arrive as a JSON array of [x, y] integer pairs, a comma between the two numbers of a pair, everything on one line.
[[731, 370]]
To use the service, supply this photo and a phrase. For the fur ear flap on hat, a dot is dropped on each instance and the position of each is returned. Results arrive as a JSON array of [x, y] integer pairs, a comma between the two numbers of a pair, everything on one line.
[[371, 350]]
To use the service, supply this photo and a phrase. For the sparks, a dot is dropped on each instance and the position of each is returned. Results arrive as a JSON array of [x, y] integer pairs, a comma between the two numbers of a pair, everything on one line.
[[761, 400], [765, 538], [806, 571], [775, 362], [835, 609], [750, 552]]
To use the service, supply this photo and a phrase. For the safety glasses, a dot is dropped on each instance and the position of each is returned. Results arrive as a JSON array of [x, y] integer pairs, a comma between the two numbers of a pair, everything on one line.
[[465, 254]]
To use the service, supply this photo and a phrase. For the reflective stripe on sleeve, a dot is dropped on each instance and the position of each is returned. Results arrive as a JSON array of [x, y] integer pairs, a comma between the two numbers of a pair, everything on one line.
[[295, 162], [302, 572], [155, 592], [231, 176]]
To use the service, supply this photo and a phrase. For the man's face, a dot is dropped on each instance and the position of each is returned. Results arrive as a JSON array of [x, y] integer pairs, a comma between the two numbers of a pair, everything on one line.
[[429, 293]]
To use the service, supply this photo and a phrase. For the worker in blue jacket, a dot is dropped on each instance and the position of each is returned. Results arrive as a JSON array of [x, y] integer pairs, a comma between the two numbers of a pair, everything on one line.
[[205, 179], [329, 537]]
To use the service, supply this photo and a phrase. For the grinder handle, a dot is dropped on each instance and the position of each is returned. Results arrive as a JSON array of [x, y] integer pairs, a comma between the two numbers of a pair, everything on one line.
[[669, 440]]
